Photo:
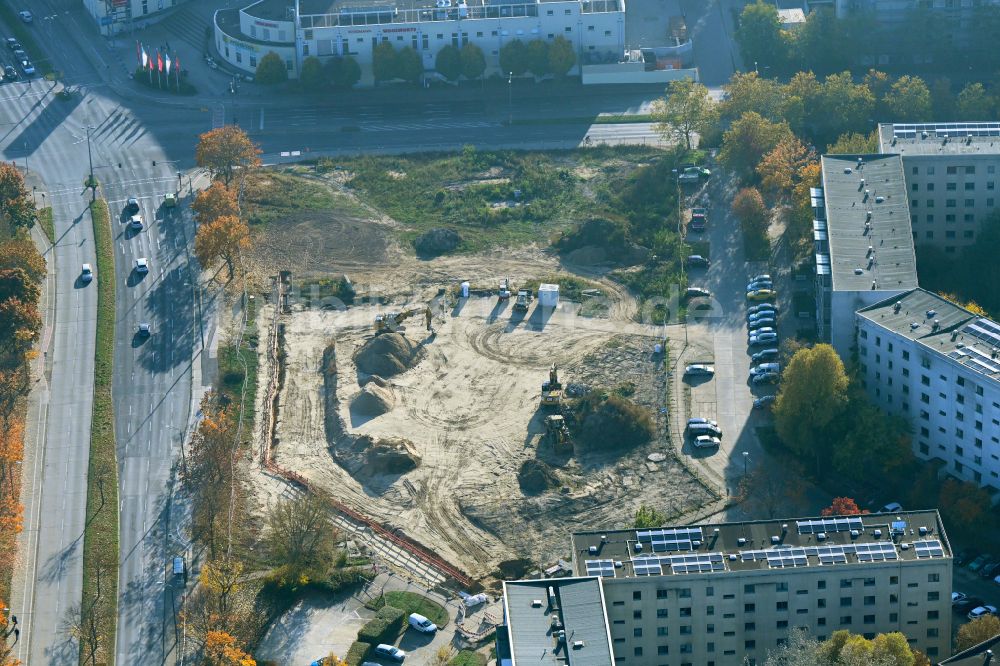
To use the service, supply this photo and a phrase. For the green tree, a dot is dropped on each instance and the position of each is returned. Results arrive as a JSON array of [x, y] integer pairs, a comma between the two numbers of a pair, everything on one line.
[[537, 56], [271, 69], [749, 92], [385, 64], [761, 39], [448, 62], [812, 394], [822, 45], [747, 139], [16, 208], [844, 106], [312, 77], [909, 100], [300, 539], [974, 103], [514, 58], [749, 208], [647, 516], [977, 631], [870, 446], [685, 110], [562, 57], [853, 144], [343, 72], [942, 100], [892, 649], [411, 67], [473, 61]]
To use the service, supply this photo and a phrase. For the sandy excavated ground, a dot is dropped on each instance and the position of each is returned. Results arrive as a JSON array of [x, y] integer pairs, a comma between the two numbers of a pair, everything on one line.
[[471, 409]]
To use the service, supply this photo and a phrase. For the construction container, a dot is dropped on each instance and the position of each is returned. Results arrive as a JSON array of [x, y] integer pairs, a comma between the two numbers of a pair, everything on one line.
[[465, 290], [548, 295]]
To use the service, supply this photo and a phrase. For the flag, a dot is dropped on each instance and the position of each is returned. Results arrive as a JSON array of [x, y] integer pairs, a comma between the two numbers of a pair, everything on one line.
[[145, 57], [168, 64], [159, 61], [138, 52]]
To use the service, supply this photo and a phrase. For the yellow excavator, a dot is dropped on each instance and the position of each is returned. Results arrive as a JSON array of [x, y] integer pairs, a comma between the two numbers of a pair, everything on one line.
[[552, 390], [558, 433], [390, 321]]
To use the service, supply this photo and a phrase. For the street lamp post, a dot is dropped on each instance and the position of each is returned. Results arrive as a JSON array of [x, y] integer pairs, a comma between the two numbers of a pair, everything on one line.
[[510, 110], [680, 236], [90, 161]]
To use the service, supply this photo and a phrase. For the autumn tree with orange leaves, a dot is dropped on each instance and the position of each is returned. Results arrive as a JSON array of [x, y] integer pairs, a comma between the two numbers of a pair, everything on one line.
[[221, 650], [842, 506], [215, 202], [226, 150], [222, 238]]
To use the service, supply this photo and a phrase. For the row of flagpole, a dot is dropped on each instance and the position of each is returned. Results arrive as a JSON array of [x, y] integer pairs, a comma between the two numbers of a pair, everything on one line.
[[161, 63]]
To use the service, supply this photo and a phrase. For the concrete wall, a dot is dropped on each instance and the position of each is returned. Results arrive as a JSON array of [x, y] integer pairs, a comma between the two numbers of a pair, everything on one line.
[[632, 72], [142, 12], [844, 304], [244, 55]]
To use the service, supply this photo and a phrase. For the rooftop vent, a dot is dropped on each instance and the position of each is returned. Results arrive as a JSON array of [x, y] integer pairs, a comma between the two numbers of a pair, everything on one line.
[[860, 160], [896, 307], [741, 542], [536, 603], [592, 550], [604, 537], [784, 527], [878, 534], [821, 536], [578, 645], [922, 530], [638, 547], [937, 324], [775, 539], [923, 135], [868, 215], [914, 325], [879, 199], [930, 313], [873, 285], [904, 546], [858, 271], [618, 564], [732, 557], [848, 170], [855, 534], [871, 249], [696, 544]]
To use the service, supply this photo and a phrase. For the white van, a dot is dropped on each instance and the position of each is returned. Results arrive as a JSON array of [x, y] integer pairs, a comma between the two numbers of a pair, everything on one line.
[[422, 624]]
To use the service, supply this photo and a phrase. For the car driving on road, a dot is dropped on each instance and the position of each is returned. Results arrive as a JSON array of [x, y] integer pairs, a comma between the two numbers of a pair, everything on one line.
[[87, 273], [142, 265], [26, 16]]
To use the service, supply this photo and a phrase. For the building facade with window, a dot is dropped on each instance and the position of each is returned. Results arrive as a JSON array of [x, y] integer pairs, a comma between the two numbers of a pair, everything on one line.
[[331, 28], [863, 248], [951, 172], [718, 594], [938, 366], [115, 16]]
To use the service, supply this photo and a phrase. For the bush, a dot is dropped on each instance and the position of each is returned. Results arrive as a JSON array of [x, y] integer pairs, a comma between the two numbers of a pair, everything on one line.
[[384, 627], [611, 421], [343, 72], [271, 69], [411, 602], [164, 83], [357, 653]]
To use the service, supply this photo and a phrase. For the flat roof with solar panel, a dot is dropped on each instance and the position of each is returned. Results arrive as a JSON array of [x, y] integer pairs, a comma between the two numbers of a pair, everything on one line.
[[928, 139], [774, 544], [942, 327]]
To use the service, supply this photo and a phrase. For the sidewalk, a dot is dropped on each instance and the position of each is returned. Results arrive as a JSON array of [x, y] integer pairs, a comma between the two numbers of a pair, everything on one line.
[[34, 430]]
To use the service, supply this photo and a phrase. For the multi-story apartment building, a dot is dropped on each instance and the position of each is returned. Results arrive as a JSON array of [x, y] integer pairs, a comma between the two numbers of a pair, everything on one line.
[[718, 594], [938, 366], [864, 250], [296, 29], [951, 172]]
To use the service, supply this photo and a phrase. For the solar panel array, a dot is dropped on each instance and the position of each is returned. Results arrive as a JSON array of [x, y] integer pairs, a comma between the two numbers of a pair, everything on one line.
[[782, 558], [652, 565], [604, 568], [833, 554], [912, 130], [875, 552], [827, 525], [928, 548], [665, 540]]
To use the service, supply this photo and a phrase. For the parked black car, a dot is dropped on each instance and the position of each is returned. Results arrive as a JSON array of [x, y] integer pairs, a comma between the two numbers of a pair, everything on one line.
[[966, 556]]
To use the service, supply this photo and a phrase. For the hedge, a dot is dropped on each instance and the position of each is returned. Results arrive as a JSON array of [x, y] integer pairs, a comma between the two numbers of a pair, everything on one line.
[[359, 650], [384, 627]]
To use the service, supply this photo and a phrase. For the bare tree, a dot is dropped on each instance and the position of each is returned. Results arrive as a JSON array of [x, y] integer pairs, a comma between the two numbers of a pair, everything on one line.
[[300, 536]]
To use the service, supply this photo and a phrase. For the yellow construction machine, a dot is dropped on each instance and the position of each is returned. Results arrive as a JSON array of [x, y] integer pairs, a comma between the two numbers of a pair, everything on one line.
[[390, 321], [558, 433], [552, 390]]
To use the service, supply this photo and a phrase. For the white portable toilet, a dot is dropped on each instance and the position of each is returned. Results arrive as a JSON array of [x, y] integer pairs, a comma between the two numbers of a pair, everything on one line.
[[465, 290], [548, 295]]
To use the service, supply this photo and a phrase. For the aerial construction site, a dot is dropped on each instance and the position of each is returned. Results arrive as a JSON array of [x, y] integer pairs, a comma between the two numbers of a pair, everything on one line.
[[442, 418]]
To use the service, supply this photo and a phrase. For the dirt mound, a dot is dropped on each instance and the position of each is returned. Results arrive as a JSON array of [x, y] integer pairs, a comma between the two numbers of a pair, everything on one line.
[[387, 355], [387, 456], [373, 400], [535, 476], [374, 379], [436, 241]]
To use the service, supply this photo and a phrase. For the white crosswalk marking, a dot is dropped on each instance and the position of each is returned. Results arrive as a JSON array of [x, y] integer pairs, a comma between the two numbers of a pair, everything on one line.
[[427, 125]]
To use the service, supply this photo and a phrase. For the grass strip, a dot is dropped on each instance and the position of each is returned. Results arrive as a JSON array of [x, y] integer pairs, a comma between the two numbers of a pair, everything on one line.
[[100, 541], [46, 223], [25, 34]]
